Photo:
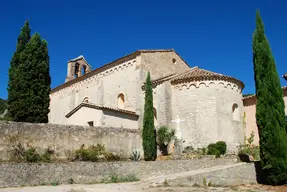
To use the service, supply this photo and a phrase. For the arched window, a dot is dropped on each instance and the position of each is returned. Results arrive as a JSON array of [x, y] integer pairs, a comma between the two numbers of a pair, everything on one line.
[[86, 100], [77, 68], [84, 69], [121, 101], [235, 112]]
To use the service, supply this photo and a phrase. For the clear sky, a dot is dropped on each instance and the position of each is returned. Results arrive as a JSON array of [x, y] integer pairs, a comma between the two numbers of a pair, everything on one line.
[[213, 34]]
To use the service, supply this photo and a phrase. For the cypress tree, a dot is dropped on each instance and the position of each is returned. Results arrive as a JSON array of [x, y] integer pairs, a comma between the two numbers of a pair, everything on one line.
[[270, 115], [14, 87], [148, 133], [35, 77]]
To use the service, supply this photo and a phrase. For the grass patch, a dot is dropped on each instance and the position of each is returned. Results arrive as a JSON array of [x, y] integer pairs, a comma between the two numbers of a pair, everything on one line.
[[120, 179]]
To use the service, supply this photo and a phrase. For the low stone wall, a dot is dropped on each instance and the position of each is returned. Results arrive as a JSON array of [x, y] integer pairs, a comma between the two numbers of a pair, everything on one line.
[[64, 139], [21, 174]]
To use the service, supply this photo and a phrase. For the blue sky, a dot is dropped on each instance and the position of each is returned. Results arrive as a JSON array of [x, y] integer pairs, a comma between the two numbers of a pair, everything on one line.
[[213, 34]]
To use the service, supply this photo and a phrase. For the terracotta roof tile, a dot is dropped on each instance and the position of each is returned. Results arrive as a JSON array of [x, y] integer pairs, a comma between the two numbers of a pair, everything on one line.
[[201, 74], [94, 106]]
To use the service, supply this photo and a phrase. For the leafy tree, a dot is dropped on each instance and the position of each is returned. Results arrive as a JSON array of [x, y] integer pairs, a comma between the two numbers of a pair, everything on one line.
[[270, 115], [14, 87], [148, 133], [29, 79], [34, 74], [3, 105]]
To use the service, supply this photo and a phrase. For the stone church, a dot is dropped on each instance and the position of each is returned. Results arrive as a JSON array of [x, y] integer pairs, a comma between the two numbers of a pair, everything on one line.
[[208, 105]]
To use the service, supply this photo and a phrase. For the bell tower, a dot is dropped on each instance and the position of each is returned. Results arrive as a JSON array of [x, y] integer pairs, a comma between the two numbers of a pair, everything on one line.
[[77, 67]]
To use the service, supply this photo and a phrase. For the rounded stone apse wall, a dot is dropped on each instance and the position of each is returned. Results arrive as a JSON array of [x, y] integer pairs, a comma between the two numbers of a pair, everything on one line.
[[210, 111]]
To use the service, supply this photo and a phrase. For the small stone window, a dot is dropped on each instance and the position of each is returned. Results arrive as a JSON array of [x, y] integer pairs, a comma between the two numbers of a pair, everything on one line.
[[121, 101], [235, 112], [91, 123], [174, 61], [86, 100]]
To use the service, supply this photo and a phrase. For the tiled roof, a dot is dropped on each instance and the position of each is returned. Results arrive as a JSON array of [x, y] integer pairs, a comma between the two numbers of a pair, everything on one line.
[[109, 65], [196, 74], [94, 106]]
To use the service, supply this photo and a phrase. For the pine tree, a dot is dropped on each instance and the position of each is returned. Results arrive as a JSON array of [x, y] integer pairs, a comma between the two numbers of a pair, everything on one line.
[[14, 87], [148, 133], [270, 115], [35, 77]]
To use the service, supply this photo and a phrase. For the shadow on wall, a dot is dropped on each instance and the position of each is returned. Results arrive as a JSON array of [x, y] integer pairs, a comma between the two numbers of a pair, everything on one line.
[[120, 115]]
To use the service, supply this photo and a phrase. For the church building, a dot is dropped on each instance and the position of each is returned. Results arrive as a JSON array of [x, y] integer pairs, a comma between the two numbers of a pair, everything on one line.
[[207, 105]]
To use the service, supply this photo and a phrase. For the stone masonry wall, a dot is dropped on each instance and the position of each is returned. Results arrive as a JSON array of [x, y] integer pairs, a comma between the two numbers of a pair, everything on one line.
[[207, 111], [161, 64], [21, 174], [101, 89], [65, 139]]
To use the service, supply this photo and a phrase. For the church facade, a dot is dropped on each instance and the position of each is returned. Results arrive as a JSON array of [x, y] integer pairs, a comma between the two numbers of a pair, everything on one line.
[[208, 105]]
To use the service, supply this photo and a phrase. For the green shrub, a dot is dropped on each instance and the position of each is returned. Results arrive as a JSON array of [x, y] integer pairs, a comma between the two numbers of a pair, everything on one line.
[[89, 154], [31, 155], [221, 146], [217, 149], [111, 157], [188, 150], [164, 137], [93, 153], [136, 156], [119, 179], [46, 157], [249, 149], [212, 149]]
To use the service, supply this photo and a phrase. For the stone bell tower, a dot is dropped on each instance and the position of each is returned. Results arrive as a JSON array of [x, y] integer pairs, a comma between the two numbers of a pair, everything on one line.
[[77, 67]]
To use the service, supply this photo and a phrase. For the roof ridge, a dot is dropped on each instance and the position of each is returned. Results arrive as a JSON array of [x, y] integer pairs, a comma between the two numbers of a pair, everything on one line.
[[189, 70], [212, 72]]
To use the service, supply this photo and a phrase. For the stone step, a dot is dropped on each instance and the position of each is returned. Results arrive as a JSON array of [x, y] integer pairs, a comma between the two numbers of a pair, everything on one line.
[[222, 175]]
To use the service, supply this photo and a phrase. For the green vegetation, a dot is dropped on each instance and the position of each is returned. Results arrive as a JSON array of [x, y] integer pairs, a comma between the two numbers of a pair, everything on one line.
[[217, 149], [221, 146], [30, 155], [164, 137], [249, 149], [198, 151], [136, 155], [148, 133], [94, 153], [29, 79], [120, 179], [3, 105], [270, 115]]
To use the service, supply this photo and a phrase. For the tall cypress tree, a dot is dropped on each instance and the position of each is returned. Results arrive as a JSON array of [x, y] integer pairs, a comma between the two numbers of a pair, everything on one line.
[[14, 87], [270, 115], [148, 133], [35, 77]]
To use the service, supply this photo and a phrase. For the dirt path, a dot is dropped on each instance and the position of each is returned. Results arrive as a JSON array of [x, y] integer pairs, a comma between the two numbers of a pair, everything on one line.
[[140, 187]]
